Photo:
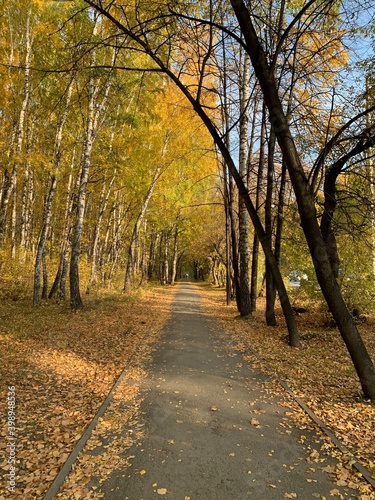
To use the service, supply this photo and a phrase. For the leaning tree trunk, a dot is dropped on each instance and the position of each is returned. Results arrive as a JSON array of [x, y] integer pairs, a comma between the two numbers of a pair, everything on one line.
[[306, 206]]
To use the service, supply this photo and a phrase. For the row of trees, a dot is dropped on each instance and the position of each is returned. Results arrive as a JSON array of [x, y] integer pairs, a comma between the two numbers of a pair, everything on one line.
[[107, 110], [294, 50], [100, 164]]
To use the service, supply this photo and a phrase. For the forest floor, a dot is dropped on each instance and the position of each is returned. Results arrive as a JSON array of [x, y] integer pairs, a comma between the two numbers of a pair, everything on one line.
[[63, 365]]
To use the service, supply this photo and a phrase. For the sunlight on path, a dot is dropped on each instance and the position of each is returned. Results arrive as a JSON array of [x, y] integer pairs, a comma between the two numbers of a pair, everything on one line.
[[212, 430]]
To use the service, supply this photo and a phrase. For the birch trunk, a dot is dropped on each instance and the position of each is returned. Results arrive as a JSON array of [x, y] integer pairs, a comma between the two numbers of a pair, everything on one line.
[[58, 287], [174, 256], [270, 287], [103, 203], [10, 184], [51, 190], [243, 223], [75, 294], [27, 199], [94, 111]]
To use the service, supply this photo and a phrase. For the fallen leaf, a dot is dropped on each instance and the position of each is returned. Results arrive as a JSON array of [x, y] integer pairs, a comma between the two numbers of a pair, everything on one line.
[[161, 491]]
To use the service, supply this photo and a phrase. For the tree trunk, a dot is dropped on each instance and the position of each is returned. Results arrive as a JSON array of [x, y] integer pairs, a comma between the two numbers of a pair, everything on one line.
[[27, 202], [164, 271], [13, 230], [103, 203], [270, 287], [243, 224], [129, 275], [9, 185], [94, 110], [175, 255], [258, 201], [228, 260], [306, 206], [51, 190], [236, 289], [280, 214], [58, 287], [152, 258], [75, 294], [45, 278]]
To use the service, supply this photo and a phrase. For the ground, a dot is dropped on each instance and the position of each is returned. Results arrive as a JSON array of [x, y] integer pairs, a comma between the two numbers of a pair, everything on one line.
[[63, 365]]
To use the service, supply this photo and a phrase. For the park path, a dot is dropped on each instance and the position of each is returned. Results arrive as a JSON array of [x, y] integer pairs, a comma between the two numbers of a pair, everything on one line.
[[201, 440]]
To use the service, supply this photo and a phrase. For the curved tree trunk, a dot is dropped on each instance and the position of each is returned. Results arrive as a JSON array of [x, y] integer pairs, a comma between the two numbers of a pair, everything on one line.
[[306, 206]]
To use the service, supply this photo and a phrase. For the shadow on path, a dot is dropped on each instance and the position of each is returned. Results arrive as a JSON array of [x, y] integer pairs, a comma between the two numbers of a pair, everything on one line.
[[202, 405]]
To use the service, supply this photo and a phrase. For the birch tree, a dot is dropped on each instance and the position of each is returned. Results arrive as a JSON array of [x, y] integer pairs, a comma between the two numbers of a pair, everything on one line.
[[17, 142], [263, 65]]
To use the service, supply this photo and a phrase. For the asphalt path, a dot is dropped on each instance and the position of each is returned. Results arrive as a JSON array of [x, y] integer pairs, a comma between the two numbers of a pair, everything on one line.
[[213, 429]]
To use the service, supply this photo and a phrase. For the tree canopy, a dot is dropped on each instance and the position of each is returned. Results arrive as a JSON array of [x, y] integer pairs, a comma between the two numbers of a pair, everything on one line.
[[126, 128]]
